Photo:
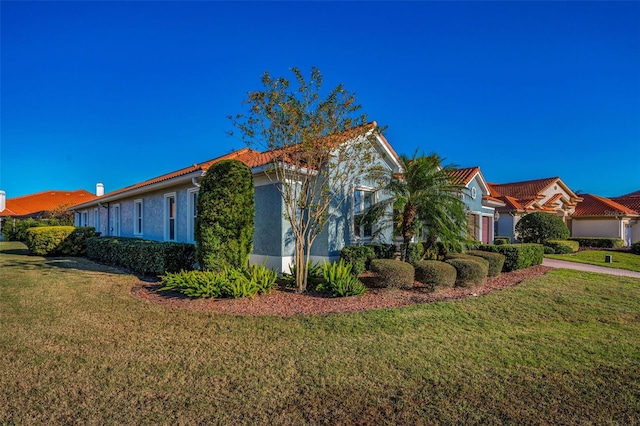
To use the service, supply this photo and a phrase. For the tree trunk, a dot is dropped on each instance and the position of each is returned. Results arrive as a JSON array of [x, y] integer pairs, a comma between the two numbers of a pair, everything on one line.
[[408, 217], [301, 267]]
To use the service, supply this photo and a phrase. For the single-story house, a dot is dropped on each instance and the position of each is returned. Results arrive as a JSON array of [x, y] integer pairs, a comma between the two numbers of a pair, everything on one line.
[[480, 204], [550, 195], [598, 216], [164, 209]]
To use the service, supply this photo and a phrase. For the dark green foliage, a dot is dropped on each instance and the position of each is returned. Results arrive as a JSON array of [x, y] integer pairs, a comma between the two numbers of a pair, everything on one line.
[[414, 253], [501, 240], [470, 272], [358, 257], [539, 227], [393, 273], [549, 250], [517, 256], [383, 251], [563, 246], [142, 256], [435, 273], [228, 282], [58, 240], [226, 213], [598, 242], [635, 248], [339, 280], [496, 260]]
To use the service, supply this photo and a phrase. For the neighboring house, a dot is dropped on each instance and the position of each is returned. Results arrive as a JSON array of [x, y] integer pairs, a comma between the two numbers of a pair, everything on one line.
[[598, 216], [550, 195], [164, 209], [36, 205], [480, 204]]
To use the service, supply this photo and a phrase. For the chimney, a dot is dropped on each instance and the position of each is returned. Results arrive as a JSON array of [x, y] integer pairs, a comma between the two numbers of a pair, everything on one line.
[[3, 201], [99, 189]]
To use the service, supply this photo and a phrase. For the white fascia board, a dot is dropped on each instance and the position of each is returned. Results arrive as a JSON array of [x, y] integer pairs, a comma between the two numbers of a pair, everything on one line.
[[141, 190]]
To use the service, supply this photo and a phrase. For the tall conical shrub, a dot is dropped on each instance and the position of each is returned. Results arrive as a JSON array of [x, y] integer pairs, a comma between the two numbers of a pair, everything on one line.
[[225, 219]]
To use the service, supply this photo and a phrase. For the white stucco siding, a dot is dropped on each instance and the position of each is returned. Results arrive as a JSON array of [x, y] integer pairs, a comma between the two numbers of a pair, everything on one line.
[[553, 190], [610, 228]]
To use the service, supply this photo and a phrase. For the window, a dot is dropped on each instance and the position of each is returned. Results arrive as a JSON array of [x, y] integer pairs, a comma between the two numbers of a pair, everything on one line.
[[84, 219], [96, 219], [170, 217], [115, 220], [474, 193], [193, 214], [137, 217], [363, 199]]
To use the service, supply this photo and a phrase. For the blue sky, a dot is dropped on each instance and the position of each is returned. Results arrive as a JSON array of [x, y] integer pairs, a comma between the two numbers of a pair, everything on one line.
[[119, 92]]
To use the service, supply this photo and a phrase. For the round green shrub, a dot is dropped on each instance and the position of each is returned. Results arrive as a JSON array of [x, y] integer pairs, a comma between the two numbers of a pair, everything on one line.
[[358, 257], [496, 260], [501, 240], [635, 248], [435, 273], [482, 261], [469, 272], [538, 227], [549, 250], [393, 273], [226, 213]]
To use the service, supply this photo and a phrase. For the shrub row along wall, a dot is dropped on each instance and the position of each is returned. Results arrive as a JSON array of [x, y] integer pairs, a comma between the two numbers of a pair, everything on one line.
[[359, 257], [142, 256], [517, 256], [599, 242], [562, 246], [58, 240]]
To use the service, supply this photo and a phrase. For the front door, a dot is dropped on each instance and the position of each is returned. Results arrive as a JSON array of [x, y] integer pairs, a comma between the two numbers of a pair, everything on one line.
[[486, 229]]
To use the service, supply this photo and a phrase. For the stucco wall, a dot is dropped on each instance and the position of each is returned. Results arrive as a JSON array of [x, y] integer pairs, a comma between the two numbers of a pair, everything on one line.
[[596, 228]]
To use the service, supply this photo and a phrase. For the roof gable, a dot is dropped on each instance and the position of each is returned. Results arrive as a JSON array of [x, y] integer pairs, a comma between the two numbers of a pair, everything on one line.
[[593, 205]]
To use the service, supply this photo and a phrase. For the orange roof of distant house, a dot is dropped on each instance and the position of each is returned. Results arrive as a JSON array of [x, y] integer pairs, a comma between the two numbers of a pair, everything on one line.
[[631, 194], [593, 205], [33, 204]]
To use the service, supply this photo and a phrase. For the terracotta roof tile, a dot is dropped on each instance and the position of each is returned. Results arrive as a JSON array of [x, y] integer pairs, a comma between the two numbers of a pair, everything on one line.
[[33, 204], [629, 201], [593, 205], [463, 176], [631, 194], [525, 189]]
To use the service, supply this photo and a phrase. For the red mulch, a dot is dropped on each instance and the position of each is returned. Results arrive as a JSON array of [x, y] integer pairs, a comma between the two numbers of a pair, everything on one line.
[[285, 302]]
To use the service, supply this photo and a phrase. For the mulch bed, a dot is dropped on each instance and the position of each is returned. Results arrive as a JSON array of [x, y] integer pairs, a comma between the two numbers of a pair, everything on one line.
[[285, 302]]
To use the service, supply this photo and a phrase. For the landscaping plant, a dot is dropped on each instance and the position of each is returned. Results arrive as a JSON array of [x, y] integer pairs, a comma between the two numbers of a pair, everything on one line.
[[538, 227], [339, 280]]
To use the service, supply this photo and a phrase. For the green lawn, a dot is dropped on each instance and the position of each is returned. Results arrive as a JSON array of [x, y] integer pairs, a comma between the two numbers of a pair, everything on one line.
[[621, 260], [76, 347]]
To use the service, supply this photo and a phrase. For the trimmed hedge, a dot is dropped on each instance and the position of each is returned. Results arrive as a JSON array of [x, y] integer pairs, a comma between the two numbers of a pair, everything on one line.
[[58, 240], [383, 251], [142, 256], [598, 242], [469, 272], [635, 248], [435, 273], [358, 257], [480, 260], [496, 260], [501, 240], [517, 256], [393, 273], [563, 246]]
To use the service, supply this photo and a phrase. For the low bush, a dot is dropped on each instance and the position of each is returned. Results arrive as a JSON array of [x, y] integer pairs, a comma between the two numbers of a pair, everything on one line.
[[496, 261], [563, 246], [635, 248], [58, 240], [393, 273], [339, 280], [383, 251], [598, 242], [142, 256], [482, 261], [501, 240], [435, 273], [469, 272], [314, 275], [227, 283], [358, 257], [549, 250], [517, 256], [415, 253]]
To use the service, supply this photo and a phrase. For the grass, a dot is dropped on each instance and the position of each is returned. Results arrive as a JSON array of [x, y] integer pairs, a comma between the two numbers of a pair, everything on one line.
[[76, 347], [621, 260]]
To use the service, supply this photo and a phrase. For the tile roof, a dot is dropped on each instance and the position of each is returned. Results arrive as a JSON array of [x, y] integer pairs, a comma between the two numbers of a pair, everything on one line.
[[463, 176], [525, 189], [630, 201], [43, 201], [593, 205], [631, 194]]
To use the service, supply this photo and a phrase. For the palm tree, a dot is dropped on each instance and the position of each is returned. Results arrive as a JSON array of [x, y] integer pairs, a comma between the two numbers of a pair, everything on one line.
[[426, 198]]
